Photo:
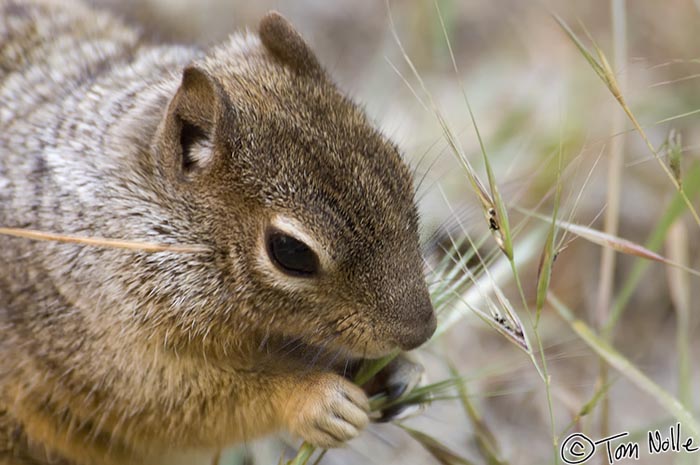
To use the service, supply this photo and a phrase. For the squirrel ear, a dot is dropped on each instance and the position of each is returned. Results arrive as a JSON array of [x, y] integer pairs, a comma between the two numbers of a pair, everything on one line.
[[191, 121], [286, 44]]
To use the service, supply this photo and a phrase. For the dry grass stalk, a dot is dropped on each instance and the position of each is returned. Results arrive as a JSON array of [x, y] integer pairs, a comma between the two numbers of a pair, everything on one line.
[[101, 241]]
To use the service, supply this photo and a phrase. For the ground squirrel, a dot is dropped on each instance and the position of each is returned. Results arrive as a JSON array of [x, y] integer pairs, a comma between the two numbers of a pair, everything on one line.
[[248, 150]]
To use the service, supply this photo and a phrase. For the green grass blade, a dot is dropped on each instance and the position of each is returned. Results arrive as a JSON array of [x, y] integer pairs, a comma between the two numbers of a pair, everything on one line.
[[369, 368], [673, 211], [303, 455], [544, 270]]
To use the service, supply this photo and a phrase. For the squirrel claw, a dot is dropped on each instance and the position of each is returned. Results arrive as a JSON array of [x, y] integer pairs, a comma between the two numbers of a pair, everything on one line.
[[332, 412], [399, 378]]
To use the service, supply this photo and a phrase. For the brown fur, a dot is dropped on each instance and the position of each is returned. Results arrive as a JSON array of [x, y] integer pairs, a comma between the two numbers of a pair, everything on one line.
[[113, 357]]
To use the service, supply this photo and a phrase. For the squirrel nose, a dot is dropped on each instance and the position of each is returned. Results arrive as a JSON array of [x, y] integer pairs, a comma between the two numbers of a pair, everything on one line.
[[417, 331]]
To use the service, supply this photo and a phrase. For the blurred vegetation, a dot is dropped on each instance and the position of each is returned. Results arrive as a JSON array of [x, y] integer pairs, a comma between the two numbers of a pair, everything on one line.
[[588, 114]]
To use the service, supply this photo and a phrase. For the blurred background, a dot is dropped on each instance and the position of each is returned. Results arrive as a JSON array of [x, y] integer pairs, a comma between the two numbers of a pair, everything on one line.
[[533, 94]]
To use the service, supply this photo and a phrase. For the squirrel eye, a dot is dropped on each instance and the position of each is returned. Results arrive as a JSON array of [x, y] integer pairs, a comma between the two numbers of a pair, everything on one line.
[[291, 255]]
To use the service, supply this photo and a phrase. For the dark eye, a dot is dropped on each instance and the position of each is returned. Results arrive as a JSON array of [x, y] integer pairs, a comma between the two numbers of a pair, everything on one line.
[[291, 255]]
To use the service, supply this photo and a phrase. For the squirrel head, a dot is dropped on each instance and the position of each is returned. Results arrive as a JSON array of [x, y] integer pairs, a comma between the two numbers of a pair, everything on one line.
[[311, 208]]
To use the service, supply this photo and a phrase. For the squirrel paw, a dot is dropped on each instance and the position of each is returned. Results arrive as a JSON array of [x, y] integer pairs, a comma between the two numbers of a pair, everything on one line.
[[398, 378], [331, 411]]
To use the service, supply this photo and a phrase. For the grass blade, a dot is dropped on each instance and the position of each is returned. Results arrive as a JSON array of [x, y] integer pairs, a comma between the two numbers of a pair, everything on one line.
[[100, 241], [303, 455], [493, 208], [672, 212], [621, 245], [626, 368], [544, 269], [497, 217], [679, 287], [485, 439], [603, 70], [439, 451], [616, 243]]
